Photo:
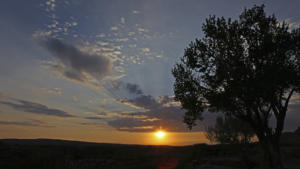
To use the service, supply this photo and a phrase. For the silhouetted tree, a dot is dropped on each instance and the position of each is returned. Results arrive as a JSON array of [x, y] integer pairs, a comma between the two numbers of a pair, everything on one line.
[[229, 130], [248, 68]]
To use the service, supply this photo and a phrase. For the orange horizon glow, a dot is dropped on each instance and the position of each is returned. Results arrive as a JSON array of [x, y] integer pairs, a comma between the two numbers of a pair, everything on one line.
[[104, 135]]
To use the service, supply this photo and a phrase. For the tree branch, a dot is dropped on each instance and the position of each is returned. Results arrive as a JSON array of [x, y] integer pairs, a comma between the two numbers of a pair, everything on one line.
[[288, 99]]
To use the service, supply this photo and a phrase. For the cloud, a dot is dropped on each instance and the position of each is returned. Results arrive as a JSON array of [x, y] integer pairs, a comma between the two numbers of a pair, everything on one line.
[[122, 20], [135, 12], [146, 50], [32, 123], [36, 108], [165, 112], [292, 25], [54, 91], [114, 28], [50, 5], [161, 112], [141, 30], [133, 88], [102, 43], [101, 35], [76, 65], [2, 95], [119, 89], [93, 118], [151, 114], [130, 124], [91, 124], [143, 101], [75, 99], [121, 39], [131, 33]]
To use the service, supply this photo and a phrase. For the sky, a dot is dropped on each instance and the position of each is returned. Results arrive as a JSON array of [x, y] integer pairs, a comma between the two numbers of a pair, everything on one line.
[[100, 70]]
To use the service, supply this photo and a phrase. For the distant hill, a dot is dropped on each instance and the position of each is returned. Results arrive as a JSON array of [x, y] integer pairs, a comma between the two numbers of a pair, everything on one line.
[[291, 137], [43, 141], [297, 131], [55, 142]]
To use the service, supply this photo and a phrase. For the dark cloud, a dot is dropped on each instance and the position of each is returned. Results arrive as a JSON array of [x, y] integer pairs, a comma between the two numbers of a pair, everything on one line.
[[132, 125], [32, 123], [143, 101], [119, 89], [102, 113], [31, 107], [75, 64], [133, 88], [91, 124], [163, 112], [93, 118]]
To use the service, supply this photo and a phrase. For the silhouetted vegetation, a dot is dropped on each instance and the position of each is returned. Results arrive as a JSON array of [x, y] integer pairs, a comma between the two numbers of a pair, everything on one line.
[[247, 68], [229, 130]]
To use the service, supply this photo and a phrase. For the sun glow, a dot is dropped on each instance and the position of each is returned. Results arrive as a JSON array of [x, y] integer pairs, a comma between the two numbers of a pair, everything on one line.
[[160, 134]]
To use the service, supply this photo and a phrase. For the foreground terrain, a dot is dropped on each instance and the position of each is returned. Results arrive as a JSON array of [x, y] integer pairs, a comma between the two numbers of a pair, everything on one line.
[[58, 154]]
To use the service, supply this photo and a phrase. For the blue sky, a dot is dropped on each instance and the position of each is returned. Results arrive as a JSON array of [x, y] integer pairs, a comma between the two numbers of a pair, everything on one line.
[[68, 65]]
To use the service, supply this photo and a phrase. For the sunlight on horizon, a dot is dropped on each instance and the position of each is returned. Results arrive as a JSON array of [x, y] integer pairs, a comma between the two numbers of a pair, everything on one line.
[[160, 134]]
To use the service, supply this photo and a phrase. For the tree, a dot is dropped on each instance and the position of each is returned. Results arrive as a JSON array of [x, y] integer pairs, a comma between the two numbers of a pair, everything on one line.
[[248, 68], [229, 130]]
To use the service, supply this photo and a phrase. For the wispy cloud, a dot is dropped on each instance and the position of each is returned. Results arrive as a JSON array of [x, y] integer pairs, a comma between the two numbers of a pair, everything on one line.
[[93, 118], [145, 50], [32, 123], [53, 91], [152, 113], [50, 5], [36, 108], [122, 20], [163, 112], [135, 12], [114, 28]]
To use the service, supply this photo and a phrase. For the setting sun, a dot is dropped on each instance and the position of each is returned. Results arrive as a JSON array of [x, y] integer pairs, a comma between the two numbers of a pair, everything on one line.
[[160, 134]]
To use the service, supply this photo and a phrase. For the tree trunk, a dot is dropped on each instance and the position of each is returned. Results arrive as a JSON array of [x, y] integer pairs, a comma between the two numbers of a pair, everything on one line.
[[272, 153]]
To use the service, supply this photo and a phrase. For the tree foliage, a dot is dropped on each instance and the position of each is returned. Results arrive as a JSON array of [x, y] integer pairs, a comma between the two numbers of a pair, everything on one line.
[[248, 68], [229, 130]]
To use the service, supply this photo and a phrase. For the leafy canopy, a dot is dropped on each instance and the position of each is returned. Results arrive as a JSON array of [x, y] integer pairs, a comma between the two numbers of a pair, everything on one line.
[[248, 68]]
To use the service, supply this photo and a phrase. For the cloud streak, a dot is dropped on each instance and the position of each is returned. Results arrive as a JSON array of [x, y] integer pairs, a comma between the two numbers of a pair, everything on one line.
[[36, 108], [32, 123], [150, 113], [162, 112]]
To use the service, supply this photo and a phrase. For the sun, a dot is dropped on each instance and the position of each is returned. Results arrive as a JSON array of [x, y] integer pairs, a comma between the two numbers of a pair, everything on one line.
[[160, 134]]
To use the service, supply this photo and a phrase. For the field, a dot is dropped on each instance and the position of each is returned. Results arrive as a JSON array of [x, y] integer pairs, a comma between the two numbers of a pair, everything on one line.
[[59, 154]]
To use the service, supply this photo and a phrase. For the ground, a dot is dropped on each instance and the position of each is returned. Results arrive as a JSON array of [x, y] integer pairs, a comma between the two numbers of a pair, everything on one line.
[[57, 154]]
